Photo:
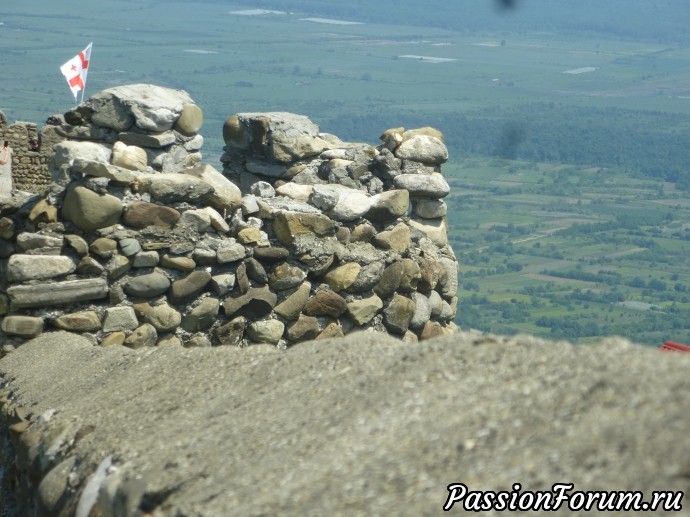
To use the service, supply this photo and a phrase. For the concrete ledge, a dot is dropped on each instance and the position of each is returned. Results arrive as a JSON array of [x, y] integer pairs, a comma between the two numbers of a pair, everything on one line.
[[362, 425]]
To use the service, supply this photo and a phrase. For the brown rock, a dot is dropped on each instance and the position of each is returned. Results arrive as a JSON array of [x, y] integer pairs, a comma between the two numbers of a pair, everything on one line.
[[291, 307], [231, 333], [189, 286], [84, 321], [342, 277], [140, 214], [304, 329], [325, 303]]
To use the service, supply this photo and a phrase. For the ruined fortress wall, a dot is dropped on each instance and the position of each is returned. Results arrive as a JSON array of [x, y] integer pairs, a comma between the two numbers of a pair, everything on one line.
[[30, 170], [302, 236]]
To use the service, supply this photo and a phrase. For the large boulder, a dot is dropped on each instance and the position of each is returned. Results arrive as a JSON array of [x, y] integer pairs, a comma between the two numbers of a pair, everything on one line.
[[226, 195], [146, 106], [88, 210]]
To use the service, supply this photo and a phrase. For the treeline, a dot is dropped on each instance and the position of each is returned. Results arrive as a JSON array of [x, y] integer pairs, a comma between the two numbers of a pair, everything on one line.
[[654, 144]]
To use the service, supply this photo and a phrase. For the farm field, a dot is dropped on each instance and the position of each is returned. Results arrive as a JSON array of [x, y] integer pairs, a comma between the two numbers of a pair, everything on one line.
[[608, 257]]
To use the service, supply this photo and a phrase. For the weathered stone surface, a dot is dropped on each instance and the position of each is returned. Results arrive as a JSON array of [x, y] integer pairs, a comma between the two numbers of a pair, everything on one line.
[[231, 333], [230, 252], [129, 157], [57, 293], [7, 225], [142, 336], [431, 330], [332, 330], [119, 319], [162, 316], [196, 220], [69, 150], [423, 148], [398, 314], [289, 225], [90, 266], [434, 229], [291, 307], [118, 266], [255, 303], [103, 247], [436, 304], [191, 119], [295, 191], [23, 268], [342, 277], [22, 326], [286, 276], [388, 206], [189, 286], [390, 280], [325, 303], [83, 321], [362, 311], [396, 239], [429, 275], [42, 212], [430, 208], [367, 278], [425, 185], [226, 195], [201, 317], [171, 188], [148, 140], [262, 189], [185, 264], [129, 246], [422, 311], [217, 222], [149, 107], [449, 284], [147, 286], [114, 339], [305, 328], [255, 271], [198, 341], [89, 211], [410, 276], [169, 340], [266, 331], [271, 254], [222, 284], [39, 243], [140, 214], [249, 235], [364, 232], [146, 259]]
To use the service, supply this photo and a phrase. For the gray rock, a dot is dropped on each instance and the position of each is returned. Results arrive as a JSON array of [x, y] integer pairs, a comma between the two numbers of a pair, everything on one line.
[[57, 293], [226, 195], [266, 331], [263, 190], [162, 316], [424, 185], [202, 317], [170, 188], [362, 311], [146, 259], [147, 286], [22, 326], [254, 304], [143, 336], [305, 328], [189, 286], [398, 315], [430, 208], [422, 311], [129, 247], [119, 318], [150, 140], [36, 242], [84, 321], [115, 174], [286, 276], [222, 284], [23, 268], [232, 333], [291, 306], [149, 107], [141, 214], [89, 211], [231, 252], [423, 148]]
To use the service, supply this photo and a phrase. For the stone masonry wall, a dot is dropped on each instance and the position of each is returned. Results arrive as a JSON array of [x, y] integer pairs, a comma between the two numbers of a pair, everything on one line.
[[136, 242]]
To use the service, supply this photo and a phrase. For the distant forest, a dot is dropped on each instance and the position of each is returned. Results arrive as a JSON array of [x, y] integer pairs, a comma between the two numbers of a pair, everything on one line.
[[652, 20], [654, 144]]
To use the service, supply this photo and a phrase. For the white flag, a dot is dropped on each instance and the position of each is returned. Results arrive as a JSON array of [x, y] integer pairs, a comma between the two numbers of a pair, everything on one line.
[[75, 70]]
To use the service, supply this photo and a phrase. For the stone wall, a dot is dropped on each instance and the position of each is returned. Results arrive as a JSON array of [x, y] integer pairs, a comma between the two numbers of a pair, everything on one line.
[[302, 236], [30, 169]]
